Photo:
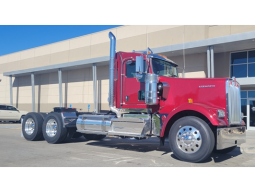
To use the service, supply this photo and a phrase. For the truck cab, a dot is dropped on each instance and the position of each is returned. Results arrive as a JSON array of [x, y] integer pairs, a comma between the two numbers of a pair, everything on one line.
[[128, 97]]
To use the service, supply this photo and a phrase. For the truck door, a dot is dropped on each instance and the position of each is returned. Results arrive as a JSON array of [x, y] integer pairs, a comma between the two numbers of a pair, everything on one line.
[[133, 88]]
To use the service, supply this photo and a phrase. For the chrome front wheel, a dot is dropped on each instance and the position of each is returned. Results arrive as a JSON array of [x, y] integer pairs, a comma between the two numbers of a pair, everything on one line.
[[189, 139]]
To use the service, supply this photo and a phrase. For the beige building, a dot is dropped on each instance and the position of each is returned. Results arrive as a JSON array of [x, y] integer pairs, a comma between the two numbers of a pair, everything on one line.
[[30, 79]]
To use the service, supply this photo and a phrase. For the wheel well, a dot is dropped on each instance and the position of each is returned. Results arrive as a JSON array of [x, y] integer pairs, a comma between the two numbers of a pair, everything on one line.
[[184, 114]]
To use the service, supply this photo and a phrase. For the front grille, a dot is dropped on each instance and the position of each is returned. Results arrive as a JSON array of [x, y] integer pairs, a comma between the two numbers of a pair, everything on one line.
[[233, 102]]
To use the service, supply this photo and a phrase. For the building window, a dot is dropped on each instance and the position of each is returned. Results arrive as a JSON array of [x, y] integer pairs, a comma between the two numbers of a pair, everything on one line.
[[244, 98], [243, 102], [251, 94], [243, 64]]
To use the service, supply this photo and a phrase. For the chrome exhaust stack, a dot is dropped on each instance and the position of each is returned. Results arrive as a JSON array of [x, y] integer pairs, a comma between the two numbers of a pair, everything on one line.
[[111, 67], [111, 74]]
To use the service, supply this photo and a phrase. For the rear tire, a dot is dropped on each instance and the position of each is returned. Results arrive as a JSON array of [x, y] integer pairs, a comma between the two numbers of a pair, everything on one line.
[[191, 139], [43, 115], [53, 128], [32, 127], [94, 137]]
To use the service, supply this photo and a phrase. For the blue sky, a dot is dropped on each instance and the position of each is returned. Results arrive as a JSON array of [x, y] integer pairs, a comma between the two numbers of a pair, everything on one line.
[[15, 38]]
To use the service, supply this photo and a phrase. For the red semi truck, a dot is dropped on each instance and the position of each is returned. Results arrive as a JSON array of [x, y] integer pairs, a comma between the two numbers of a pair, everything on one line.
[[147, 99]]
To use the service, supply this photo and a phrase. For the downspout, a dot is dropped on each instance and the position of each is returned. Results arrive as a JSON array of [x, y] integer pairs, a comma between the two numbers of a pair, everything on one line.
[[208, 63], [212, 61], [111, 74]]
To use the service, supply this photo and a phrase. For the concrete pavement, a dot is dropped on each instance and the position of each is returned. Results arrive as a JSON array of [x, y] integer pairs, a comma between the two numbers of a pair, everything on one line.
[[249, 146], [110, 152]]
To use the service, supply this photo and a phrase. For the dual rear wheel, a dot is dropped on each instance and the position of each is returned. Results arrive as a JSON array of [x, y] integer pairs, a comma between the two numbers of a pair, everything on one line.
[[37, 126]]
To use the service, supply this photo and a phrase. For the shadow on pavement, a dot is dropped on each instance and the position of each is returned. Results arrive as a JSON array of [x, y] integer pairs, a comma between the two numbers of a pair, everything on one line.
[[151, 144], [222, 157], [145, 145], [217, 157]]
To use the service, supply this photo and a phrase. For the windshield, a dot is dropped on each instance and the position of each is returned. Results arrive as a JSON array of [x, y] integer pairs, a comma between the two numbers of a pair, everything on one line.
[[164, 68]]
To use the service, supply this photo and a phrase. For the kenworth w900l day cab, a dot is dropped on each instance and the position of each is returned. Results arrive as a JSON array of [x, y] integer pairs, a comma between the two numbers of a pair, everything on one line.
[[146, 98]]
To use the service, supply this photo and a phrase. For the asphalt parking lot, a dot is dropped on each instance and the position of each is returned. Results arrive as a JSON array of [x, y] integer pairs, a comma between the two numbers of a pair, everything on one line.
[[110, 152]]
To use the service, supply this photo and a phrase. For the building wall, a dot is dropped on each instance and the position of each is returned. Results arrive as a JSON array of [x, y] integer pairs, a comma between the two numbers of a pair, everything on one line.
[[195, 65], [77, 84], [129, 38], [222, 64], [77, 89]]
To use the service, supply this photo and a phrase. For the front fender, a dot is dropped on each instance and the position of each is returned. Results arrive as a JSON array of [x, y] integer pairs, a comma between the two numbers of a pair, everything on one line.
[[209, 112]]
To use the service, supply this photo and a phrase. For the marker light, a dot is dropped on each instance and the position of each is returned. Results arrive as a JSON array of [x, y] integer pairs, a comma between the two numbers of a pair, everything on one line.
[[221, 113], [190, 100], [162, 56]]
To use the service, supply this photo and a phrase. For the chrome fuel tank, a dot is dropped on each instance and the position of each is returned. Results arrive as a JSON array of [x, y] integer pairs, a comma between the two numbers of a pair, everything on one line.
[[100, 123]]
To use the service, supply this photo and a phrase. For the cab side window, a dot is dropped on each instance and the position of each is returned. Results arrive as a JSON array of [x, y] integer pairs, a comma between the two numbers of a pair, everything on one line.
[[2, 107], [130, 71]]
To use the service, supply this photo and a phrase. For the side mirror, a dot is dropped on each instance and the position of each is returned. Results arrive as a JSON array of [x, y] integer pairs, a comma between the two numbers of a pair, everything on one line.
[[139, 64]]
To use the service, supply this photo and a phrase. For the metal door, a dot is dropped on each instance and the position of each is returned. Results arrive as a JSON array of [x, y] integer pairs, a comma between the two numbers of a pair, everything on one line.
[[251, 114]]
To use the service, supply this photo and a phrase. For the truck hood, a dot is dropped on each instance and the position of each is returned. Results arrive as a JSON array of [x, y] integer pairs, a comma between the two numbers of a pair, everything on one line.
[[206, 91]]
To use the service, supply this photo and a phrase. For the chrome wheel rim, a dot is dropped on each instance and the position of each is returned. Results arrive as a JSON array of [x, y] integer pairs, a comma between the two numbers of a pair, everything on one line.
[[51, 128], [29, 126], [188, 139]]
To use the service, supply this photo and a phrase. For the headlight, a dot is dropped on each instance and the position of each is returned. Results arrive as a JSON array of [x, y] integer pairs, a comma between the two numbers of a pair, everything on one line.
[[221, 113]]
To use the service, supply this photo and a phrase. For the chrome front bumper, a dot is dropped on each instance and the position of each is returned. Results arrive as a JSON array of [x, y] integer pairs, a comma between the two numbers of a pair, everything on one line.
[[230, 136]]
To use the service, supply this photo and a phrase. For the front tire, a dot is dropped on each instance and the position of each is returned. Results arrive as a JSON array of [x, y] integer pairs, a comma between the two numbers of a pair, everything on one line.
[[53, 128], [191, 139], [32, 127]]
